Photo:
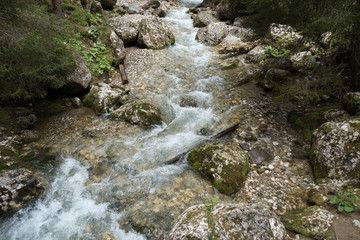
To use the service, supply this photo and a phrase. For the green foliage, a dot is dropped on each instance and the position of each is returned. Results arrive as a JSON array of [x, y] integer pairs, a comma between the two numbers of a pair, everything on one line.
[[274, 52], [85, 18], [210, 206], [2, 170], [98, 57], [33, 55], [346, 202]]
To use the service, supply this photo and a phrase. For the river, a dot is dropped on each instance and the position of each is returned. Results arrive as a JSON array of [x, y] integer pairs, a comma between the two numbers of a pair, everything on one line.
[[115, 182]]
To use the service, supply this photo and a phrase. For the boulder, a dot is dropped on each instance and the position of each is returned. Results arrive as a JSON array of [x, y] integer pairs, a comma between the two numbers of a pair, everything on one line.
[[314, 222], [303, 60], [231, 221], [351, 102], [138, 113], [335, 152], [80, 80], [335, 115], [256, 54], [284, 33], [210, 3], [25, 122], [212, 34], [127, 26], [225, 167], [274, 76], [151, 4], [154, 34], [96, 7], [103, 98], [204, 18], [283, 63], [17, 189], [118, 47], [215, 32], [108, 4], [236, 48], [230, 40], [229, 10]]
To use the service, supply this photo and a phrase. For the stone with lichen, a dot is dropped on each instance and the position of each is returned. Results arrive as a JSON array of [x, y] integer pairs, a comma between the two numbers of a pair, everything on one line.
[[314, 222], [335, 152], [228, 221], [225, 167]]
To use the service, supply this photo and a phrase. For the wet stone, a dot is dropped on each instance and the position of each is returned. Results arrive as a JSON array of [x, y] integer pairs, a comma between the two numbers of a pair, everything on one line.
[[258, 156]]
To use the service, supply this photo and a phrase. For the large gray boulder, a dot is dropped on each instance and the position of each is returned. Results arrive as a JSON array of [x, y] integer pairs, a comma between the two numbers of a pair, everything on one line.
[[284, 33], [215, 32], [225, 167], [138, 113], [118, 47], [80, 79], [103, 98], [256, 54], [231, 221], [17, 189], [335, 152], [154, 34], [314, 222], [204, 18], [127, 26]]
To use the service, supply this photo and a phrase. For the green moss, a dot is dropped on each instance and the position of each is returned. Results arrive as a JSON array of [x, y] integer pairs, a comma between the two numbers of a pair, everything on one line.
[[298, 222], [319, 170]]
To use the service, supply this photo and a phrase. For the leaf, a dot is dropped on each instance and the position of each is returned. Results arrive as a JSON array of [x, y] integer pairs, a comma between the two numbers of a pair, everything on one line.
[[214, 201], [334, 200], [340, 208], [208, 204], [349, 209]]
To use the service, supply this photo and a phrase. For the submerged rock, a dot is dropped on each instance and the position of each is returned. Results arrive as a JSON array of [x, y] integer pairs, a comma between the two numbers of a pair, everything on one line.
[[154, 34], [335, 151], [103, 98], [225, 167], [351, 102], [312, 222], [228, 221], [187, 101], [138, 113], [17, 189]]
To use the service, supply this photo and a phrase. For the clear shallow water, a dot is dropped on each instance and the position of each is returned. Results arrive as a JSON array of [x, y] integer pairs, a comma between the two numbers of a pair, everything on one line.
[[79, 202]]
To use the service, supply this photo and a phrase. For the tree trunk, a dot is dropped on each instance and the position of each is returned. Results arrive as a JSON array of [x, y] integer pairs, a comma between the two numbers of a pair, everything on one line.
[[355, 51], [57, 7]]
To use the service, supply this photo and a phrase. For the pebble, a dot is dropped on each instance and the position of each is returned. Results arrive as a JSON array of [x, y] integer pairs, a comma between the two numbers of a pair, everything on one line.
[[271, 167]]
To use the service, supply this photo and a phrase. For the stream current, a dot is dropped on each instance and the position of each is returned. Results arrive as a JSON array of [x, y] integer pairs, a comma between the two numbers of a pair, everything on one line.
[[115, 182]]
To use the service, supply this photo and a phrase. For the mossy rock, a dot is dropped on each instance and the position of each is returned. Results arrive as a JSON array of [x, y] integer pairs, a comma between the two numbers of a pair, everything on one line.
[[351, 102], [312, 222], [103, 98], [138, 113], [225, 167], [335, 150]]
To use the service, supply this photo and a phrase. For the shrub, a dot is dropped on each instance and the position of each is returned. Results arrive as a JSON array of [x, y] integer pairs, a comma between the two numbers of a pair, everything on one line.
[[34, 56]]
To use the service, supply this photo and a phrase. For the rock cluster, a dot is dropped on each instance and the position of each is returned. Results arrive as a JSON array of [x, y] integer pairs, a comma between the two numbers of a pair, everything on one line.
[[17, 189]]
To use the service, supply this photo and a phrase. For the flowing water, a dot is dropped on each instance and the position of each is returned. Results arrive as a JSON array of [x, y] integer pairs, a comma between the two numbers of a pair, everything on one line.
[[111, 178]]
